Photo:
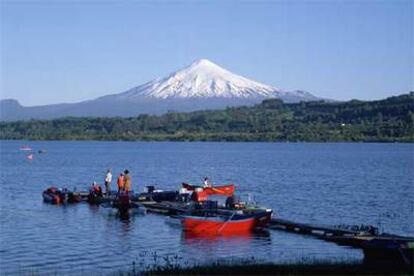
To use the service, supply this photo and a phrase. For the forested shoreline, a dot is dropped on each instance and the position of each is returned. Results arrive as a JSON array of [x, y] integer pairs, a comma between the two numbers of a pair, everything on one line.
[[388, 120]]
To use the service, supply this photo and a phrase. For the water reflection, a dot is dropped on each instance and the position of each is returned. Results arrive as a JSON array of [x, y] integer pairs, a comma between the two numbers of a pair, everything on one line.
[[236, 243], [261, 234]]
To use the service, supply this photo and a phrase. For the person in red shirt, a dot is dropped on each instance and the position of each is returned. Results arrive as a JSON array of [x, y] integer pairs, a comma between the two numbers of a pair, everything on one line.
[[120, 182]]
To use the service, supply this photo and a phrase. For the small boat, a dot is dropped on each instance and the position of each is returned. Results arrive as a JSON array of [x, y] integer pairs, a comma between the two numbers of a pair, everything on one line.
[[25, 148], [51, 195], [156, 195], [218, 225], [54, 195], [95, 195]]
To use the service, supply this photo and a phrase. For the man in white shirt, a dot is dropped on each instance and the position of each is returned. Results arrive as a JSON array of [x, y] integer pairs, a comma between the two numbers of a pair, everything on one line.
[[108, 180], [206, 182]]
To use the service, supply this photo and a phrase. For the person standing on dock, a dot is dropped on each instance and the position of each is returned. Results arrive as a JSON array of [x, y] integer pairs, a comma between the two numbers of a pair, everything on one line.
[[108, 180], [127, 181], [120, 182]]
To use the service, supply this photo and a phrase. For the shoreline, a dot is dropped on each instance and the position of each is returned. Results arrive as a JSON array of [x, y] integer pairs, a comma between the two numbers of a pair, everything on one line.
[[301, 268], [209, 141]]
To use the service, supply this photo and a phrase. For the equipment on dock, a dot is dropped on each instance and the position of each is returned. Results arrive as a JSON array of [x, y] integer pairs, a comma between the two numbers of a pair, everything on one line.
[[152, 194]]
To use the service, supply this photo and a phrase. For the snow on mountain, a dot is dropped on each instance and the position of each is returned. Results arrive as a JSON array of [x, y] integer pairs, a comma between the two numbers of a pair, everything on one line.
[[202, 78]]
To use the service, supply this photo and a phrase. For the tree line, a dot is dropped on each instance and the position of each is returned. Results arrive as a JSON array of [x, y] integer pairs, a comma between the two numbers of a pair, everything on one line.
[[388, 120]]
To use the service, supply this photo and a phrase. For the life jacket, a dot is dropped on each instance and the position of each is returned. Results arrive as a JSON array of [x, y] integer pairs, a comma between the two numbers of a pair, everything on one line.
[[97, 188], [199, 196], [120, 182]]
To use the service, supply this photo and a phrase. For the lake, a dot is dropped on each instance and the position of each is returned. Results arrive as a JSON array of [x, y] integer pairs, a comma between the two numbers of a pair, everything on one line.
[[349, 183]]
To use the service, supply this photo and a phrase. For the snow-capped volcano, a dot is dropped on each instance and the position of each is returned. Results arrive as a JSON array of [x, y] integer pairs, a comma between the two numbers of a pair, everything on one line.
[[204, 79], [200, 86]]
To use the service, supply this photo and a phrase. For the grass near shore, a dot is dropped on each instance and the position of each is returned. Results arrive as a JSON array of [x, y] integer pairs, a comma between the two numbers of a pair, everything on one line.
[[280, 269], [255, 267]]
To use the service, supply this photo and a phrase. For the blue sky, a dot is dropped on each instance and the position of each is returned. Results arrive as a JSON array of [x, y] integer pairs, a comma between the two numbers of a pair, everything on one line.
[[68, 51]]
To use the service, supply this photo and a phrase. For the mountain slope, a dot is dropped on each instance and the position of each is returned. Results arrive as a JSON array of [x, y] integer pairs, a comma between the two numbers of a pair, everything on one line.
[[202, 85], [202, 79]]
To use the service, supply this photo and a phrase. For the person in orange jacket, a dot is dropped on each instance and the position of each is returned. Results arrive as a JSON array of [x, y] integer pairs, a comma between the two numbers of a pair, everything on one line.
[[120, 182]]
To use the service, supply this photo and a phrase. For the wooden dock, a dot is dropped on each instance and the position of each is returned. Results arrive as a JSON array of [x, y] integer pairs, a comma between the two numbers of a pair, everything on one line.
[[309, 229], [379, 249]]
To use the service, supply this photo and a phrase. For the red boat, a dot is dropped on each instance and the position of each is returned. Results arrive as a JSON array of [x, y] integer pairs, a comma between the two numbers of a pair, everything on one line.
[[217, 225]]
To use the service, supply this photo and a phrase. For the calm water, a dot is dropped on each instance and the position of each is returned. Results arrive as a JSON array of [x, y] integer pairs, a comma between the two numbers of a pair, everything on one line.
[[318, 183]]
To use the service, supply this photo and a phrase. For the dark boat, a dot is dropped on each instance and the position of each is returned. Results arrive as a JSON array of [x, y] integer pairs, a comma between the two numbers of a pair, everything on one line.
[[96, 196], [379, 249], [54, 195], [156, 195]]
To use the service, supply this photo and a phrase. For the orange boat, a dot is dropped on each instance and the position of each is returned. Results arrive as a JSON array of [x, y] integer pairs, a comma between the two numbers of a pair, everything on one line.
[[224, 190], [217, 225]]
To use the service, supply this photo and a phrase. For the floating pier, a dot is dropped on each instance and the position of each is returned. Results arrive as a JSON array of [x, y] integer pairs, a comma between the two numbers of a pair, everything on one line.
[[378, 249]]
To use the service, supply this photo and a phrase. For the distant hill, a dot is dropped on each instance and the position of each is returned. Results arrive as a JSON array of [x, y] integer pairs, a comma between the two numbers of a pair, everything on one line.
[[202, 85], [388, 120]]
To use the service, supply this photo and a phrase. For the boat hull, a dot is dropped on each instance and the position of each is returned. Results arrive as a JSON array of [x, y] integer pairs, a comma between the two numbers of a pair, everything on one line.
[[51, 198], [217, 225]]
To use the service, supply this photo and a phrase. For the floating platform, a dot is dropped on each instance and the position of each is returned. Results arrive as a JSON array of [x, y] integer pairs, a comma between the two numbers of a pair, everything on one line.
[[379, 249]]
